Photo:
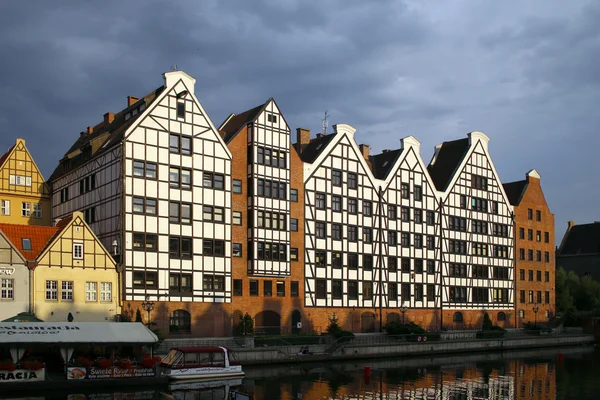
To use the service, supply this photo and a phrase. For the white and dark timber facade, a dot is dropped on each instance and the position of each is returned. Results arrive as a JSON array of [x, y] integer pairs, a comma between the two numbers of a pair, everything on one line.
[[213, 223]]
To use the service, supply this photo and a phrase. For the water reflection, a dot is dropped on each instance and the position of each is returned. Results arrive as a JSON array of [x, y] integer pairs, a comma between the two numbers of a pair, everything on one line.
[[567, 373]]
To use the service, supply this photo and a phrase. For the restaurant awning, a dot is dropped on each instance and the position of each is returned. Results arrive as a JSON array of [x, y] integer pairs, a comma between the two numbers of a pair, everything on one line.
[[23, 317], [70, 333]]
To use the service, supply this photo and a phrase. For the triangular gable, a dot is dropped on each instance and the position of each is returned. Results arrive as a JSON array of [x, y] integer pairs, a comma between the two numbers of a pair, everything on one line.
[[14, 248], [178, 87], [18, 161]]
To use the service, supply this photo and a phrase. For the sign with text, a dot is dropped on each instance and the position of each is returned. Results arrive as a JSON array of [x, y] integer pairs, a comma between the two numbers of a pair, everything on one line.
[[22, 375], [109, 373]]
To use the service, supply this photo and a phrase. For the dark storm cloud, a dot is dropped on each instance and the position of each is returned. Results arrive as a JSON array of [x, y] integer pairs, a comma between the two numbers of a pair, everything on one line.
[[524, 73]]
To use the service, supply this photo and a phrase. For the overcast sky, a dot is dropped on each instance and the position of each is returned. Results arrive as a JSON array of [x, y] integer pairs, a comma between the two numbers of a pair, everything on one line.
[[525, 73]]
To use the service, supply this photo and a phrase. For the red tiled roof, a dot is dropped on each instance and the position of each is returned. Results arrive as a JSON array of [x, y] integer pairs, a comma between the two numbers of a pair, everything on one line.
[[39, 236], [5, 155]]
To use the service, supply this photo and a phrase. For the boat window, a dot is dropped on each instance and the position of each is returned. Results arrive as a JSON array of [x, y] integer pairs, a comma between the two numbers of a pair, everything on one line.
[[172, 358], [233, 359], [218, 360]]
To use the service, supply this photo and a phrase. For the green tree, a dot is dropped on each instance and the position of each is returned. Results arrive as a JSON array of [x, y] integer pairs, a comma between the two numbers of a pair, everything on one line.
[[333, 324], [564, 299], [138, 316], [246, 326], [487, 322]]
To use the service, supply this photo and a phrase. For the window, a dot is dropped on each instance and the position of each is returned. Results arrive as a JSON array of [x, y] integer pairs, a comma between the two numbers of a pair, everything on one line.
[[538, 236], [430, 218], [25, 209], [392, 238], [237, 287], [418, 193], [430, 292], [272, 118], [213, 248], [405, 295], [4, 207], [321, 289], [546, 237], [337, 232], [538, 215], [501, 273], [180, 247], [26, 244], [480, 249], [463, 201], [51, 290], [530, 275], [320, 258], [294, 195], [393, 264], [457, 246], [418, 242], [142, 169], [521, 313], [180, 178], [538, 255], [419, 265], [336, 203], [367, 260], [336, 260], [530, 255], [521, 233], [418, 216], [294, 289], [91, 291], [237, 218], [539, 297], [522, 274], [405, 239], [7, 287], [368, 235], [181, 213], [320, 230], [142, 205], [210, 213], [64, 195], [367, 290], [280, 287], [89, 215], [457, 270], [392, 291], [547, 297], [293, 254], [213, 181], [500, 251], [546, 276], [501, 230], [430, 267], [294, 224], [430, 242], [458, 224], [267, 288], [352, 180], [353, 261], [78, 251], [405, 265], [367, 208], [353, 206], [521, 254], [478, 204], [181, 109], [539, 276], [458, 294], [145, 280], [106, 291], [321, 201], [37, 210], [237, 187], [353, 233], [404, 191], [237, 250], [145, 242], [180, 321], [66, 290], [529, 213], [336, 289], [392, 211], [479, 182], [213, 283], [530, 234], [522, 296], [405, 214], [336, 177], [352, 290], [480, 271], [253, 288], [272, 189], [180, 144]]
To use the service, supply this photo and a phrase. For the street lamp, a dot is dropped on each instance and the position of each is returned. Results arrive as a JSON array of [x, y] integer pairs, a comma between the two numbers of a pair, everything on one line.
[[403, 310], [148, 306], [536, 308]]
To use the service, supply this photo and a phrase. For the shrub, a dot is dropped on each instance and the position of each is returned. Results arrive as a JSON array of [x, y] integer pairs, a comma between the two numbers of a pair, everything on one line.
[[395, 328], [246, 326], [343, 336], [138, 316], [487, 322]]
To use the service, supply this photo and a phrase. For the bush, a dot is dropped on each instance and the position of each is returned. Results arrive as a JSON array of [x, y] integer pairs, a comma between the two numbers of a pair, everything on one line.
[[333, 326], [246, 325], [138, 316], [487, 322], [395, 328], [343, 336]]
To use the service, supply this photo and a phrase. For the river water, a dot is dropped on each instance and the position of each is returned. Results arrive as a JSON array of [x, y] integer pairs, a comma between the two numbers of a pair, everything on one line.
[[565, 373]]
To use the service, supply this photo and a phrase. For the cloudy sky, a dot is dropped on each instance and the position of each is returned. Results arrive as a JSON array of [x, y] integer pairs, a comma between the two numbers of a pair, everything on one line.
[[525, 73]]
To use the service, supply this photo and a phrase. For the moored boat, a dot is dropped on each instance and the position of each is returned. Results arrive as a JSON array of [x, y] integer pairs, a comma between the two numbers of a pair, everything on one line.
[[207, 362]]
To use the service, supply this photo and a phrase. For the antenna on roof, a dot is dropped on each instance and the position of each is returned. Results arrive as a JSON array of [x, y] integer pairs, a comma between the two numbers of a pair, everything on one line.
[[325, 123], [174, 67]]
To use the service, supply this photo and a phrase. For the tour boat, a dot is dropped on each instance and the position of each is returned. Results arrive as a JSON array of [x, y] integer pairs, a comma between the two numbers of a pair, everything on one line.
[[208, 362]]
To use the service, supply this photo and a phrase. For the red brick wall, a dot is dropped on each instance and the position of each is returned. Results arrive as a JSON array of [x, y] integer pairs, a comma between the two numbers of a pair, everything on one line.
[[534, 199]]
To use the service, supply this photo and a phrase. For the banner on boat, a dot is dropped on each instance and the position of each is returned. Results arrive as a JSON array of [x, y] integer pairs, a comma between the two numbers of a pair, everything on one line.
[[109, 373], [22, 375]]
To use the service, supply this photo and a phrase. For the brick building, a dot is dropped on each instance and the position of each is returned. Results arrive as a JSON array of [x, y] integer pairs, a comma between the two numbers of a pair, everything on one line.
[[211, 223], [534, 244]]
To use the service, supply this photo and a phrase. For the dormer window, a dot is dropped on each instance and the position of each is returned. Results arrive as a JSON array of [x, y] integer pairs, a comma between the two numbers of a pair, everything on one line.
[[181, 110], [127, 116], [142, 107], [26, 242], [272, 118]]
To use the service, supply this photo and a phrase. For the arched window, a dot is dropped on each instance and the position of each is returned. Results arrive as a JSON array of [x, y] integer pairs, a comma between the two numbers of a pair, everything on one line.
[[458, 317], [180, 322], [501, 316]]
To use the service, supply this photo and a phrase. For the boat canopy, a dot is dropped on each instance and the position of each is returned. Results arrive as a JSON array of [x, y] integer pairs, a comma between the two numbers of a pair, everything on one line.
[[203, 356]]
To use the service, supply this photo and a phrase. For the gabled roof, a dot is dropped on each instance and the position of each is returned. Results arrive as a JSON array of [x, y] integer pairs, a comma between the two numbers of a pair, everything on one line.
[[443, 166], [236, 121], [5, 155], [581, 239], [39, 237], [383, 163], [315, 147], [116, 131], [514, 191]]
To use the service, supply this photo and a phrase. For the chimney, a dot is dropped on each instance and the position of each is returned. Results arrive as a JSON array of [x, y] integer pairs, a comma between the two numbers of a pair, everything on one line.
[[571, 223], [83, 133], [90, 130], [365, 150], [131, 100], [108, 118], [302, 138], [115, 248]]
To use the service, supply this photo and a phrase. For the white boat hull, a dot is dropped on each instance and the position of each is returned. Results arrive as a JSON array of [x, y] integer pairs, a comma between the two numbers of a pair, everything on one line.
[[204, 373]]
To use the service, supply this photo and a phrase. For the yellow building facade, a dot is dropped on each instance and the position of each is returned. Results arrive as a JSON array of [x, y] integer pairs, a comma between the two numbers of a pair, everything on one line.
[[24, 195], [75, 274]]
